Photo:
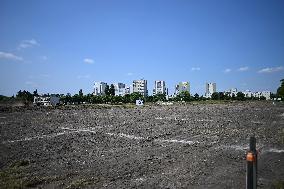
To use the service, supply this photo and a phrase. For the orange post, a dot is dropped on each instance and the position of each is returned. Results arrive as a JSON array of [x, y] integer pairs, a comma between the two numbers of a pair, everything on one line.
[[251, 179]]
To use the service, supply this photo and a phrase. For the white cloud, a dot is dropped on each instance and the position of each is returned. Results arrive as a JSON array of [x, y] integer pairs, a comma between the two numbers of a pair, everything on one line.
[[271, 70], [89, 61], [10, 56], [243, 69], [83, 76], [129, 74], [195, 69], [28, 43], [228, 70]]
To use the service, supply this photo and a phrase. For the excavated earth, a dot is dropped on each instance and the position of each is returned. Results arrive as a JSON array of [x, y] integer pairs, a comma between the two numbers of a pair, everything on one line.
[[154, 146]]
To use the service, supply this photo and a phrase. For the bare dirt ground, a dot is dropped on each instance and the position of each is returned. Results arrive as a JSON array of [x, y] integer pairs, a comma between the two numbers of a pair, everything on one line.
[[177, 146]]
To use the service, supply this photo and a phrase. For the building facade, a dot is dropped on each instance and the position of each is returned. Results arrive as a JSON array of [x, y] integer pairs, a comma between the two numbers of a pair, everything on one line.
[[266, 94], [160, 88], [231, 92], [99, 88], [128, 90], [42, 100], [210, 89], [248, 93], [181, 87], [119, 89], [140, 86], [46, 100]]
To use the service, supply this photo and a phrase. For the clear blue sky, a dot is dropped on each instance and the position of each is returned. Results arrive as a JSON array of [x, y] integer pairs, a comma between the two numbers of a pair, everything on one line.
[[63, 46]]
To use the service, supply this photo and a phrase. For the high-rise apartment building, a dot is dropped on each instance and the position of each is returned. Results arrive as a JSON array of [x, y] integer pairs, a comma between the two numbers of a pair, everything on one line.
[[210, 89], [99, 88], [119, 89], [160, 88], [140, 86], [182, 86]]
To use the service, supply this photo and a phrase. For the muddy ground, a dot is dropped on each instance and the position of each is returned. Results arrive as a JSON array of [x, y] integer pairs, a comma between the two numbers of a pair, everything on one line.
[[174, 146]]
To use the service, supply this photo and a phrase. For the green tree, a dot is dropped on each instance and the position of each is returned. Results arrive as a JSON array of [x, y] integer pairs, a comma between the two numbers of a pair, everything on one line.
[[80, 97], [196, 96], [76, 99], [135, 96], [81, 93], [4, 98], [280, 90], [87, 98], [118, 99], [272, 96], [202, 98], [262, 98], [96, 99], [107, 92], [184, 96], [149, 98], [25, 96], [126, 98], [227, 96], [233, 97], [111, 90], [221, 96], [240, 96], [35, 93], [68, 98], [215, 96], [159, 97]]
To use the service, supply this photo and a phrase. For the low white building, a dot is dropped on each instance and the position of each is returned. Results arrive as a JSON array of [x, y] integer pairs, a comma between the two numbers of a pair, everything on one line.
[[248, 94], [46, 100], [266, 94], [231, 92], [42, 100]]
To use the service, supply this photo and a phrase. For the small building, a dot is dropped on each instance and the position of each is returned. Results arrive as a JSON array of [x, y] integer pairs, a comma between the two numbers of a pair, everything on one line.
[[42, 100], [46, 100], [231, 92], [248, 94], [266, 94]]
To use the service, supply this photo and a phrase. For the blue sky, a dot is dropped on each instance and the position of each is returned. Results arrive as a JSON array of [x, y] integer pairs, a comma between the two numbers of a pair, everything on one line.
[[63, 46]]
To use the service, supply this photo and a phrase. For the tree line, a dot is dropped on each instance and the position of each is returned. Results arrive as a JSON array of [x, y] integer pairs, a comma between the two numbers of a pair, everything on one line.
[[110, 97]]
